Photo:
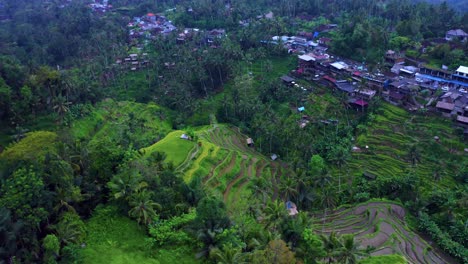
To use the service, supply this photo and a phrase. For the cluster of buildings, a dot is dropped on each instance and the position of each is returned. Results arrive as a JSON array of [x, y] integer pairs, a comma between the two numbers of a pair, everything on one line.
[[100, 6], [133, 62], [149, 26], [400, 82], [304, 42], [456, 34]]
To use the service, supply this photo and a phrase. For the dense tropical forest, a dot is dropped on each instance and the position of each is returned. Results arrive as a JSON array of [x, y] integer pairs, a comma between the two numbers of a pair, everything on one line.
[[201, 132]]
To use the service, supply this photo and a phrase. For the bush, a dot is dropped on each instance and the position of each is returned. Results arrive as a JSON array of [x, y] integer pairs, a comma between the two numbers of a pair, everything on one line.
[[169, 231], [442, 238]]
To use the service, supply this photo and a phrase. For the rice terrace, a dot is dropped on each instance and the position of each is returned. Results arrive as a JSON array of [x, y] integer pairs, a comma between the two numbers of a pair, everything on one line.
[[234, 131]]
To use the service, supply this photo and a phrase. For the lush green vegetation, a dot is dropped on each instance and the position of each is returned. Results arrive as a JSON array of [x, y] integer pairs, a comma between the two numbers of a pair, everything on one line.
[[93, 168]]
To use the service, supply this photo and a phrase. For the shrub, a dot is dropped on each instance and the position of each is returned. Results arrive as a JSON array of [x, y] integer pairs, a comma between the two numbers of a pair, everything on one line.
[[169, 231], [442, 238]]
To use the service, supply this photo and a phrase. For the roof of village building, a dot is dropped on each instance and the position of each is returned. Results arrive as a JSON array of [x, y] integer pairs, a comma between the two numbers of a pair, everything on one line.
[[339, 65], [462, 69], [287, 78], [306, 58], [445, 105], [462, 119], [457, 32]]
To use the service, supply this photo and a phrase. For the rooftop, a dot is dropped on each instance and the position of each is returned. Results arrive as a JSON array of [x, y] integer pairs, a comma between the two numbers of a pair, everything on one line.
[[462, 69], [457, 32], [445, 105], [462, 119], [339, 65]]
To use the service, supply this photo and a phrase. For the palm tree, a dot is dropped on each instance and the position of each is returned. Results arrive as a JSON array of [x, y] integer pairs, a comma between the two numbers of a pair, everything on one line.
[[288, 188], [123, 185], [323, 179], [61, 106], [414, 154], [70, 229], [292, 230], [208, 237], [274, 213], [142, 207], [10, 233], [261, 239], [327, 199], [330, 243], [305, 194], [228, 255], [349, 252]]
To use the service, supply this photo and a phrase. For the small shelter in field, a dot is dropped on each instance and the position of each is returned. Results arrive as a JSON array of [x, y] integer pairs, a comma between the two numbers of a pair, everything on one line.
[[274, 157], [185, 136], [287, 80], [250, 142], [292, 208]]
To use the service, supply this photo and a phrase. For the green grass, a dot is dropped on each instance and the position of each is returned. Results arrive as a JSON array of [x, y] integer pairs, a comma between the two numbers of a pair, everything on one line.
[[175, 148], [33, 147], [116, 239], [389, 137], [112, 238], [387, 259], [202, 155], [140, 124]]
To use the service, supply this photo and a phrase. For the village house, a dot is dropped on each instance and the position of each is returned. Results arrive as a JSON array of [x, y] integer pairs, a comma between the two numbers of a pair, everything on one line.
[[100, 6], [149, 26], [392, 57], [461, 74], [456, 34], [345, 87], [366, 93], [441, 73], [445, 107], [339, 67], [287, 80], [215, 34], [395, 97], [461, 105], [324, 41], [463, 120], [310, 62], [358, 104]]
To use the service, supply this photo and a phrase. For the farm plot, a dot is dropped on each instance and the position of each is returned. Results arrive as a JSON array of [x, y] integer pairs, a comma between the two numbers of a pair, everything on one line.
[[381, 226]]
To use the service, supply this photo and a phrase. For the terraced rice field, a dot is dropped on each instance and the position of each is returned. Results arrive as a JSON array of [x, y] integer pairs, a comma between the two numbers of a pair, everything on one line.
[[380, 225], [226, 164], [389, 138]]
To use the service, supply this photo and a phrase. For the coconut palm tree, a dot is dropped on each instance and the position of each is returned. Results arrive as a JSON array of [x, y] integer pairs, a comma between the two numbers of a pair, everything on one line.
[[274, 212], [349, 252], [10, 234], [323, 179], [261, 239], [208, 237], [123, 185], [327, 198], [292, 229], [331, 244], [228, 255], [142, 207], [61, 106], [288, 188], [414, 154]]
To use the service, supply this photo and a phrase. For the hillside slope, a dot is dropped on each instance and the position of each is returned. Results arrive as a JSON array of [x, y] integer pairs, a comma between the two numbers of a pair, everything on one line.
[[221, 159], [381, 226], [457, 5]]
